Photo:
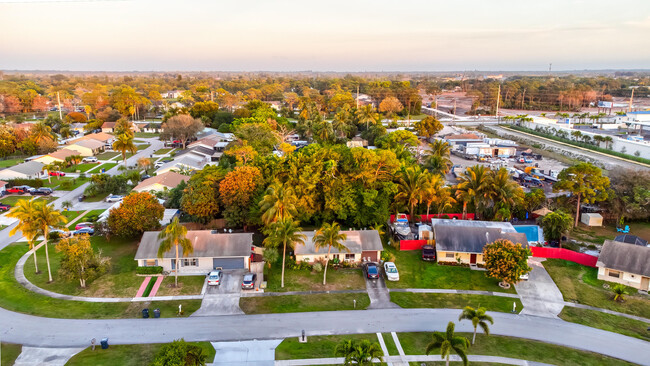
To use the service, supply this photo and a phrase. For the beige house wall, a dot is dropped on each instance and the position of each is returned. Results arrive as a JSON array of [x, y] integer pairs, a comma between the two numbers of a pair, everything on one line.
[[154, 187], [625, 278], [47, 160], [452, 257], [322, 257], [83, 151], [203, 267]]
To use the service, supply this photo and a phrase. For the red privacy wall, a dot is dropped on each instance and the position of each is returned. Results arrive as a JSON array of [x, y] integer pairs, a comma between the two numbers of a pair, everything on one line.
[[567, 255], [458, 216], [412, 244]]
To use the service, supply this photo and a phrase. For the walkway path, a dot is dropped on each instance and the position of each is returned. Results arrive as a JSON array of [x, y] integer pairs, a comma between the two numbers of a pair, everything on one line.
[[397, 360], [250, 353]]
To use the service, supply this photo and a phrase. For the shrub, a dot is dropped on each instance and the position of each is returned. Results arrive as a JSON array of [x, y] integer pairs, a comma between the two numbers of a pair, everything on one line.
[[317, 267], [34, 183], [149, 270], [66, 185]]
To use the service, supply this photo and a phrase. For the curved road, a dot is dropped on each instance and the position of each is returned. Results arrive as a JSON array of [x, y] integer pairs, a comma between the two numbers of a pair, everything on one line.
[[46, 332]]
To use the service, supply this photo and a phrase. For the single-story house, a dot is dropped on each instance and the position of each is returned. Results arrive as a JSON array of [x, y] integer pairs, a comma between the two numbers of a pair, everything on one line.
[[189, 162], [626, 262], [148, 127], [212, 249], [57, 156], [100, 136], [77, 126], [463, 240], [357, 141], [87, 147], [109, 127], [363, 245], [28, 170], [159, 182], [3, 186]]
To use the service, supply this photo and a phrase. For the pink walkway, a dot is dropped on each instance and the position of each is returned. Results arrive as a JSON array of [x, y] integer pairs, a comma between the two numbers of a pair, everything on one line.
[[143, 287]]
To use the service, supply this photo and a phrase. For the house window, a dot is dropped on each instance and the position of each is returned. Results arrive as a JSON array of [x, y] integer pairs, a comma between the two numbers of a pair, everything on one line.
[[449, 255], [614, 274], [190, 262], [349, 257], [150, 262]]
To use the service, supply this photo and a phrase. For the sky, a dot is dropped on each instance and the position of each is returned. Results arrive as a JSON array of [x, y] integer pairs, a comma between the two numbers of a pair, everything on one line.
[[331, 35]]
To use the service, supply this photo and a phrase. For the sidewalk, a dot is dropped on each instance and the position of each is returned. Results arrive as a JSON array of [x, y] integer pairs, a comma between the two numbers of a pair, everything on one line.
[[414, 358]]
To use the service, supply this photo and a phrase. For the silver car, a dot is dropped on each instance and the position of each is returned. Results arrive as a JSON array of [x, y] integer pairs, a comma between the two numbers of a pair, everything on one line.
[[391, 271]]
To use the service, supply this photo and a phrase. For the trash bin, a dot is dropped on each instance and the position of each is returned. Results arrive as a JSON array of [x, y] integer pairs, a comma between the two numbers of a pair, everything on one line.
[[145, 313], [156, 313], [104, 343], [81, 198], [103, 170]]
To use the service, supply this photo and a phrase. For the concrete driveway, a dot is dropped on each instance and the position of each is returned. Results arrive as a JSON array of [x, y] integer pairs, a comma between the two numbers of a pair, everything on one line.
[[247, 353], [378, 292], [539, 295], [223, 299]]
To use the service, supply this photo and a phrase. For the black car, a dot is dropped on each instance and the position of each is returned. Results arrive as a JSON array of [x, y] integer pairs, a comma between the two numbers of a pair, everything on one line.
[[428, 253], [43, 191], [146, 176], [372, 272]]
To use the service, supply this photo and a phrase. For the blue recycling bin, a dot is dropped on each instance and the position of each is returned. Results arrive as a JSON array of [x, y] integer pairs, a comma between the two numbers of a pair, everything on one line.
[[156, 313], [145, 313], [104, 343]]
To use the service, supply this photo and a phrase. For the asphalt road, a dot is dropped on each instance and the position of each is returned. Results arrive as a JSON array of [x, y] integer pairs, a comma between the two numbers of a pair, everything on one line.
[[46, 332]]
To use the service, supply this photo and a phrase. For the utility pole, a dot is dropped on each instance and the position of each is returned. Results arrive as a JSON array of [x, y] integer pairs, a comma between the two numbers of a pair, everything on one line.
[[58, 99], [357, 96], [498, 99], [629, 108], [523, 96]]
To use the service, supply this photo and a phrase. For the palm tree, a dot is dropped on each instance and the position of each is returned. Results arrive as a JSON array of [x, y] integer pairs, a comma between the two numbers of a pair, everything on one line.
[[124, 143], [278, 203], [41, 131], [431, 189], [474, 187], [367, 115], [361, 353], [447, 342], [46, 217], [174, 235], [409, 188], [444, 200], [23, 210], [330, 236], [478, 318], [505, 192], [619, 292], [49, 168], [66, 205], [438, 159], [285, 232]]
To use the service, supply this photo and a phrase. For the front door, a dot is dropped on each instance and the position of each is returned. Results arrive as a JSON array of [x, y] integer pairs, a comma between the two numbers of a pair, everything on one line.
[[645, 283], [472, 259]]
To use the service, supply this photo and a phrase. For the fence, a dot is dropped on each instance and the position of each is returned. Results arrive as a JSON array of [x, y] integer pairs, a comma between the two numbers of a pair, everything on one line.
[[567, 255], [414, 244], [427, 218]]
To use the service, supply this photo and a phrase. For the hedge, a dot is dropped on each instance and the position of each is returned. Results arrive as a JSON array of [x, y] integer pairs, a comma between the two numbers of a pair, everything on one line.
[[149, 270], [34, 183]]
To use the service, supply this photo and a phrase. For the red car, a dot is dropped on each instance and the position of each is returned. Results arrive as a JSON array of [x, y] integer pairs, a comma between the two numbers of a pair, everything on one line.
[[4, 207], [17, 189], [57, 174]]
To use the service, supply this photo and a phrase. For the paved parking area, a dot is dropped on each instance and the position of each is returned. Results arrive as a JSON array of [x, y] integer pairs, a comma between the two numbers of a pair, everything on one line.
[[248, 353], [223, 299], [378, 292], [36, 356], [539, 295]]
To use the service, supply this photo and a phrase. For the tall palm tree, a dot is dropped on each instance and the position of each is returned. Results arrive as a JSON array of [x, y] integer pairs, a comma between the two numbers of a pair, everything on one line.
[[504, 191], [46, 217], [367, 115], [41, 131], [361, 353], [287, 233], [330, 236], [175, 235], [278, 203], [431, 189], [409, 188], [444, 200], [438, 160], [474, 187], [23, 210], [124, 143], [341, 122], [49, 168], [478, 318], [447, 342]]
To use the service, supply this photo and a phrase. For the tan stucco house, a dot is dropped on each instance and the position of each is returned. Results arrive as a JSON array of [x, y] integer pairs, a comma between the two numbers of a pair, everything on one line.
[[625, 260], [87, 147], [57, 156], [160, 182], [363, 246]]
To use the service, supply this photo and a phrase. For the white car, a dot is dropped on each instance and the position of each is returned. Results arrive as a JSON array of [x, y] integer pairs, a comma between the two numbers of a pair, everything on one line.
[[524, 277], [89, 159], [214, 278], [391, 271], [114, 198]]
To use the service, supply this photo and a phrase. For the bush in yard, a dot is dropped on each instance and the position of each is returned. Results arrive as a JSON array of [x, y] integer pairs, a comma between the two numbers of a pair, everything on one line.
[[506, 261], [139, 212], [179, 353], [34, 183], [66, 185], [317, 267], [149, 270], [80, 261]]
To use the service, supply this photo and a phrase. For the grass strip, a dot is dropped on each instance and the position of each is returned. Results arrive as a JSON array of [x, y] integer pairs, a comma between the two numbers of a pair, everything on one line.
[[303, 303], [454, 301]]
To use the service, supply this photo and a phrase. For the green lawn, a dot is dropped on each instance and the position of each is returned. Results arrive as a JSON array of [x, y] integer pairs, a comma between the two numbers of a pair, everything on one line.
[[308, 280], [390, 344], [71, 215], [316, 346], [59, 185], [608, 322], [84, 167], [9, 352], [127, 355], [98, 198], [416, 273], [119, 281], [11, 200], [11, 162], [416, 343], [302, 303], [454, 301], [164, 151], [105, 166], [580, 284], [107, 155], [17, 298], [146, 134], [598, 234], [90, 214]]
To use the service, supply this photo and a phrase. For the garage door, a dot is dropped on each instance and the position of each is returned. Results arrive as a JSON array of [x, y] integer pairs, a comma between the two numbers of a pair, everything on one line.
[[228, 263]]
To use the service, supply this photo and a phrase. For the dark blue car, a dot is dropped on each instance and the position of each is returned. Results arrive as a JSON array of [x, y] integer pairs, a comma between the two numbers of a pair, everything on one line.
[[372, 272]]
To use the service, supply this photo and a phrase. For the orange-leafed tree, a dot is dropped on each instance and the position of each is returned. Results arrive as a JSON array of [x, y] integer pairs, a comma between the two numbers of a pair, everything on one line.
[[139, 212], [506, 261], [237, 190]]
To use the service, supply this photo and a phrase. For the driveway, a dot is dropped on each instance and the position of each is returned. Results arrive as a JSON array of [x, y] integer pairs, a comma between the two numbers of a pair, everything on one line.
[[539, 295], [246, 353], [223, 299], [378, 293]]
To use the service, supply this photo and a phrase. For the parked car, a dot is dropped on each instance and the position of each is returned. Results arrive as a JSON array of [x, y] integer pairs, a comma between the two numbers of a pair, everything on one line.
[[19, 189], [4, 207], [89, 159], [60, 233], [391, 271], [524, 277], [57, 174], [146, 176], [113, 198], [43, 191], [249, 281], [371, 269], [428, 253], [158, 164], [214, 278], [83, 225], [84, 230]]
